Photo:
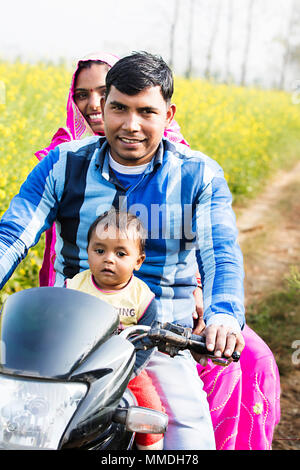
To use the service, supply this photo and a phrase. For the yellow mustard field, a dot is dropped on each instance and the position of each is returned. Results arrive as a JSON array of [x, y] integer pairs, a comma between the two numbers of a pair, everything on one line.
[[250, 132]]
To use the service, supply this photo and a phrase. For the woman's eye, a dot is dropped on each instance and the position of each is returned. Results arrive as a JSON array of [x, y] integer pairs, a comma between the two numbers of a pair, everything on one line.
[[80, 96]]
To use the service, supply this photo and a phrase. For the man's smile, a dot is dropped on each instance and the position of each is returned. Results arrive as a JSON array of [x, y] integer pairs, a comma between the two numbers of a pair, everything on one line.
[[131, 140]]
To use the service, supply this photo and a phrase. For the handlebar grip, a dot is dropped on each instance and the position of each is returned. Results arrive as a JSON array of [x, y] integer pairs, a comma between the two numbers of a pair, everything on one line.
[[198, 345], [177, 337]]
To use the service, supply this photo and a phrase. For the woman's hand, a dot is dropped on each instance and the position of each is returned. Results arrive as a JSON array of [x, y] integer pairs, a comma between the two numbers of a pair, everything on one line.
[[199, 324]]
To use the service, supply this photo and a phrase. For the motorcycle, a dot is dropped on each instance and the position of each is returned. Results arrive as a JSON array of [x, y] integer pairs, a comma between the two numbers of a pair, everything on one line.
[[64, 371]]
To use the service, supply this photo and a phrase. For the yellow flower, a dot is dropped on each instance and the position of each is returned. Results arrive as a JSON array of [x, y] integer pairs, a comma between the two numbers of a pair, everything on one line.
[[258, 408], [3, 180]]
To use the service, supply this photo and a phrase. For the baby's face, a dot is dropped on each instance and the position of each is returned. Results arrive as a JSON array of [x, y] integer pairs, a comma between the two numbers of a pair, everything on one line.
[[113, 257]]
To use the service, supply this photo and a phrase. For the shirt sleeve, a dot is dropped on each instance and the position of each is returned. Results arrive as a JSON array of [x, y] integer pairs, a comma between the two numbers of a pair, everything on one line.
[[218, 254], [142, 356], [30, 213]]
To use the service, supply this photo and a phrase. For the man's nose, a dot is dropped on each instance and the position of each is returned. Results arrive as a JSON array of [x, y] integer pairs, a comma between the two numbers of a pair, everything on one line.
[[131, 122]]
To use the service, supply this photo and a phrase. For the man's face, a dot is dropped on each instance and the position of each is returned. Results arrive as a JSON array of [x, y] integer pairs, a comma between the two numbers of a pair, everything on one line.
[[134, 125]]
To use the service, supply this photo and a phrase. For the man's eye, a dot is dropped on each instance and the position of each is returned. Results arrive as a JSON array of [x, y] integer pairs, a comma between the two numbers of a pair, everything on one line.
[[118, 107]]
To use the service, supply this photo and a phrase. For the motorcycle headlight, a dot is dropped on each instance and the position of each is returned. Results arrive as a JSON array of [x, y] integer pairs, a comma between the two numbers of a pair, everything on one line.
[[35, 413]]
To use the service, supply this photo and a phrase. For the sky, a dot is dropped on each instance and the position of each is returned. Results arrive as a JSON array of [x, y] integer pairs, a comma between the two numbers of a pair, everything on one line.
[[69, 29]]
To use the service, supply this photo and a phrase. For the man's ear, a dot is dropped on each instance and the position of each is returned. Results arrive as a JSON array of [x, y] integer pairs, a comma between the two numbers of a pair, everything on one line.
[[170, 115]]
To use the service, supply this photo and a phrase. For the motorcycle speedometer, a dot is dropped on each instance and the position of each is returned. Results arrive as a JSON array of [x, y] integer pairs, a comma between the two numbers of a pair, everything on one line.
[[35, 413]]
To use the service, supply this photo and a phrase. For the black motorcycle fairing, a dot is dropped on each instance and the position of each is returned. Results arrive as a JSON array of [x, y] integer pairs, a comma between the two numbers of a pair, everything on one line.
[[92, 418], [53, 340], [100, 434], [109, 357]]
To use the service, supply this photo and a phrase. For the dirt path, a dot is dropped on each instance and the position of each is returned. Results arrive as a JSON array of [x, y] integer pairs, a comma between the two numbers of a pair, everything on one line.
[[270, 239], [270, 234]]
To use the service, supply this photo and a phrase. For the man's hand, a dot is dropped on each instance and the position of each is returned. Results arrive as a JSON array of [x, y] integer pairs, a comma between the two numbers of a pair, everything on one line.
[[220, 340], [223, 340]]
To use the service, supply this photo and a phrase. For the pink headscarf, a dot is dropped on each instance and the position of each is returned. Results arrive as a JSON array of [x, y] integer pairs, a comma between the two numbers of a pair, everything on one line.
[[76, 125]]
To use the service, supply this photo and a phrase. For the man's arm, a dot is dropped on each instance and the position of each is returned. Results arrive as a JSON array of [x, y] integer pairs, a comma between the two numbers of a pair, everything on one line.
[[221, 268], [30, 213]]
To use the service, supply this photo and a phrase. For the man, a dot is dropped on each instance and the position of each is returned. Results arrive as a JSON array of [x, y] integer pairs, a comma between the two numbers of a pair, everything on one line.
[[183, 201]]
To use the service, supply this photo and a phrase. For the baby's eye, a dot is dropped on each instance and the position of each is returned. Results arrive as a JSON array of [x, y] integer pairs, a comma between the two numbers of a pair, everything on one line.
[[99, 251], [121, 254]]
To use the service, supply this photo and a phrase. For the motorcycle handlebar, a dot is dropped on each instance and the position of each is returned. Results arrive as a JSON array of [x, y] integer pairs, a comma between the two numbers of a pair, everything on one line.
[[171, 339]]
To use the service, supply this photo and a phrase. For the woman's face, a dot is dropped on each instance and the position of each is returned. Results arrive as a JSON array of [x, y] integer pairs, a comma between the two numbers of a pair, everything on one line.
[[88, 91]]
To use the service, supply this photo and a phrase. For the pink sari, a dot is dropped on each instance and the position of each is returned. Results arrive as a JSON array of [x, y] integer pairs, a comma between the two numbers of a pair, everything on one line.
[[244, 398]]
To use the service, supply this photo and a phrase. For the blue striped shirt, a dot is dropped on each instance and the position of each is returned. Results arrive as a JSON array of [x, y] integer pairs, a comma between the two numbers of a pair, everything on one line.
[[182, 199]]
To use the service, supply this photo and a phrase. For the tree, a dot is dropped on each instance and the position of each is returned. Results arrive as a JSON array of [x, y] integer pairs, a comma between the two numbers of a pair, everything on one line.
[[289, 52], [172, 33], [247, 42], [190, 40], [228, 41], [214, 30]]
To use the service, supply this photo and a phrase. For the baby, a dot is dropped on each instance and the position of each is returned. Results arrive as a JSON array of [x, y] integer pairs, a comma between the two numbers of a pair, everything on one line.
[[116, 248]]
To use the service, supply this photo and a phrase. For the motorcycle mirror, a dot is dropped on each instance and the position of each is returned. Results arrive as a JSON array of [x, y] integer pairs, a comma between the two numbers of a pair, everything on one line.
[[142, 420]]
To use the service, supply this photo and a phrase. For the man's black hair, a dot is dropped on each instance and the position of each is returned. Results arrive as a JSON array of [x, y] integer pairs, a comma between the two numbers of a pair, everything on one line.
[[141, 70]]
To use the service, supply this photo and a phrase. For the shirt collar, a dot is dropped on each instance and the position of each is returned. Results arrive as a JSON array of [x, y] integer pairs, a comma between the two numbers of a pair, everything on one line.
[[102, 157]]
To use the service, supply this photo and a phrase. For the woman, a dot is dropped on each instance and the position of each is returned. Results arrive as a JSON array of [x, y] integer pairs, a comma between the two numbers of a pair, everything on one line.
[[243, 398]]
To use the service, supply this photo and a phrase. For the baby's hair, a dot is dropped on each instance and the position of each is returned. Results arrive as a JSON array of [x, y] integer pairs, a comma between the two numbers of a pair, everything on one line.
[[124, 222]]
